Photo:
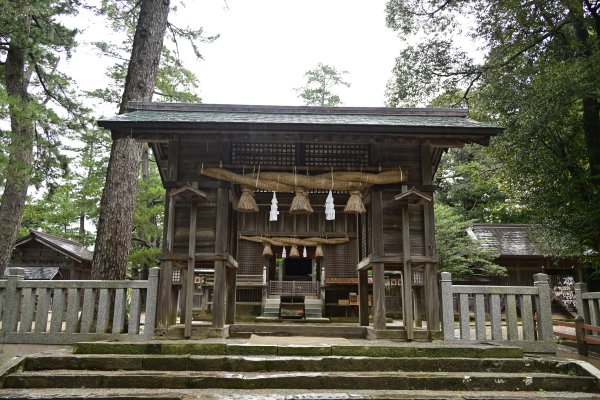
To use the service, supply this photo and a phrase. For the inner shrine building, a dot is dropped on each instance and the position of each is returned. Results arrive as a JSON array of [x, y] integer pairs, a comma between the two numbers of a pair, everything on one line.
[[277, 212]]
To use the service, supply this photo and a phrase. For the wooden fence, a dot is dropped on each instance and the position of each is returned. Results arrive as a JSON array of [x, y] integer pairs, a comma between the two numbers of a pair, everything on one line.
[[294, 288], [532, 332], [63, 312]]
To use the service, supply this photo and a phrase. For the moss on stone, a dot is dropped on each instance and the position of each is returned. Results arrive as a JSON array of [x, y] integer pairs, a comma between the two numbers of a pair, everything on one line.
[[249, 349], [304, 350]]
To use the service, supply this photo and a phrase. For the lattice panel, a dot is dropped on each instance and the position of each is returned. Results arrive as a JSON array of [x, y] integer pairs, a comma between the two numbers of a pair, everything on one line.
[[340, 260], [249, 258], [263, 153], [336, 155]]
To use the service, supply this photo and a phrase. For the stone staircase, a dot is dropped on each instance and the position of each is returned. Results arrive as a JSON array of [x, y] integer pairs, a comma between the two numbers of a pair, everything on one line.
[[313, 310], [271, 308], [230, 369]]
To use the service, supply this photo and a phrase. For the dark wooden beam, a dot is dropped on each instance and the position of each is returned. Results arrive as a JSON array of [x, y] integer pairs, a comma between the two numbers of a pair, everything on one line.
[[379, 322], [173, 160], [407, 303], [189, 287], [201, 257], [363, 297], [221, 235], [432, 306]]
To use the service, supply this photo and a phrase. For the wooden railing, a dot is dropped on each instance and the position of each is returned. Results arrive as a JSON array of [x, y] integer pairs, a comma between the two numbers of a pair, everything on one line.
[[60, 312], [581, 336], [294, 288], [534, 330]]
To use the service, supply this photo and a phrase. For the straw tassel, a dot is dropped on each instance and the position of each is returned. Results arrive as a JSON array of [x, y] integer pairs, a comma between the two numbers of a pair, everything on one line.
[[294, 251], [274, 210], [319, 251], [355, 203], [300, 203], [247, 202], [267, 251]]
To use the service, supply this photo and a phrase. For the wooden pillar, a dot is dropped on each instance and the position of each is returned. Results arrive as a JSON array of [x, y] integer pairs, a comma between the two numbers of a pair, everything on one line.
[[407, 303], [231, 277], [378, 268], [430, 278], [165, 312], [378, 297], [418, 305], [363, 297], [189, 281], [219, 291]]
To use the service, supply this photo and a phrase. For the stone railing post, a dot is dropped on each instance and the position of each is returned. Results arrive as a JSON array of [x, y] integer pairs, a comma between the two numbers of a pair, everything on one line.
[[12, 300], [582, 309], [151, 302], [543, 307], [447, 306]]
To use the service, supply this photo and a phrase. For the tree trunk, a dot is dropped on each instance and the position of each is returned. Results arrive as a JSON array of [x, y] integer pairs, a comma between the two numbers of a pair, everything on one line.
[[21, 152], [113, 239]]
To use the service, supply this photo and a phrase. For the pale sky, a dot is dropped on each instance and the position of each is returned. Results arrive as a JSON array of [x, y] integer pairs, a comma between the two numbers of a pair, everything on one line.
[[266, 46]]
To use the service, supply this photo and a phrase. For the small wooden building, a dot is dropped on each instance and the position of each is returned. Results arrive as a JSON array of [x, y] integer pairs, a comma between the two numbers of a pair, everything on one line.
[[252, 184], [522, 258], [46, 256]]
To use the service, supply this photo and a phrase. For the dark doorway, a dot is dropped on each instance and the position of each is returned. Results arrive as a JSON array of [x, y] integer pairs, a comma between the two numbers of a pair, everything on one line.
[[297, 269]]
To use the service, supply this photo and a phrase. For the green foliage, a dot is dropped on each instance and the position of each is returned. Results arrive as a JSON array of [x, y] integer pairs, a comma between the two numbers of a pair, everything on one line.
[[174, 82], [320, 82], [147, 222], [458, 253], [473, 182], [537, 73]]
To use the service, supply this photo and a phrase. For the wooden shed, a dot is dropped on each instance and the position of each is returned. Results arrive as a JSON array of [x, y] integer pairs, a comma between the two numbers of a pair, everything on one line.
[[309, 210], [46, 256], [522, 257]]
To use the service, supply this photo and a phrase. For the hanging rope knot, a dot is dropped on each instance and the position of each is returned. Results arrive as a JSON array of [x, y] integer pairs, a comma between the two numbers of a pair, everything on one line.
[[355, 204]]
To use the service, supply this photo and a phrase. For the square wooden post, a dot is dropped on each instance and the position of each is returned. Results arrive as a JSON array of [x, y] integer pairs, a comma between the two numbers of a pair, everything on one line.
[[407, 300], [231, 277], [165, 313], [378, 268], [430, 279], [189, 281], [219, 290], [378, 297], [363, 296], [221, 235]]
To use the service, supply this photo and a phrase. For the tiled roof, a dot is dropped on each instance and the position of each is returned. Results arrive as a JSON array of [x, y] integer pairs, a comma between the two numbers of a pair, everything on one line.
[[507, 239], [36, 273], [268, 115], [70, 248]]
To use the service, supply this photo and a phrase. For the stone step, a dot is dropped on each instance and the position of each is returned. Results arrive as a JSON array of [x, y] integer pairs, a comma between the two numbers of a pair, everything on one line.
[[283, 394], [361, 380], [108, 362], [220, 348]]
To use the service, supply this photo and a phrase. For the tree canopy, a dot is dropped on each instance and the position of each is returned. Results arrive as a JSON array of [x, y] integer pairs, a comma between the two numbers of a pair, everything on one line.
[[37, 100], [539, 77], [320, 81]]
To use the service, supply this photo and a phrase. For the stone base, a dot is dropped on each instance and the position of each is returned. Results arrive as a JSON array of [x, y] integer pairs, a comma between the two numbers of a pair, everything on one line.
[[219, 332]]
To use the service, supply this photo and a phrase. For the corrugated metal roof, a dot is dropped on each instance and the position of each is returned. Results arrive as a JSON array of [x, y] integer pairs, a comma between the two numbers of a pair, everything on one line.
[[507, 239]]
